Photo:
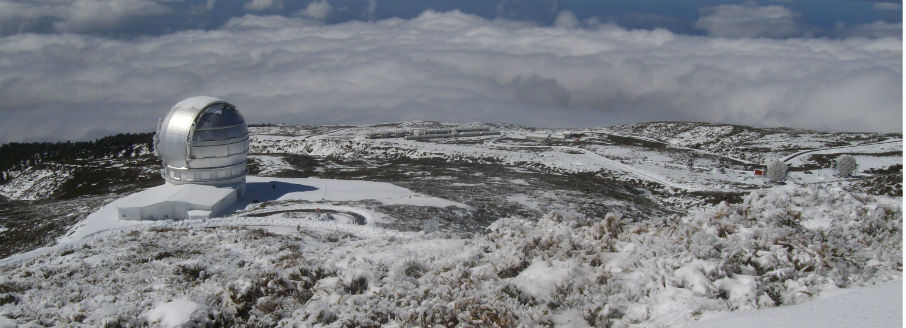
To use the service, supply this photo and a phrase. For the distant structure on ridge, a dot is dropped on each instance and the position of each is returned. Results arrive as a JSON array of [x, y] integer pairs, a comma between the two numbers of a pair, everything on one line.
[[421, 134]]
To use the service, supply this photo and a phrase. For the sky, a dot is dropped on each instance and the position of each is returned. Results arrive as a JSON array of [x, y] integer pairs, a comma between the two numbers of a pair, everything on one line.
[[82, 69]]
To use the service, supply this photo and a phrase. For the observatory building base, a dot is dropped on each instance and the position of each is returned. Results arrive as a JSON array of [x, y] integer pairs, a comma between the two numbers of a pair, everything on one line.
[[186, 201]]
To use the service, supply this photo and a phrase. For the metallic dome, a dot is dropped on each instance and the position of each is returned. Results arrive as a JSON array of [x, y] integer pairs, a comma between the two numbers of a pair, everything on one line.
[[203, 140]]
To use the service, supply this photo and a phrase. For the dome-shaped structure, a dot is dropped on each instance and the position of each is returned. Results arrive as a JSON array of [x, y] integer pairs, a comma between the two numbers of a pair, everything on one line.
[[203, 140], [845, 165], [776, 171]]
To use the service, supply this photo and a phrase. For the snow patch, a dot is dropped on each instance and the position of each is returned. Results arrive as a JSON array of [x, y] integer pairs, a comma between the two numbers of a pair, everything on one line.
[[542, 279], [269, 165], [694, 277], [176, 313], [7, 322], [740, 291], [524, 200]]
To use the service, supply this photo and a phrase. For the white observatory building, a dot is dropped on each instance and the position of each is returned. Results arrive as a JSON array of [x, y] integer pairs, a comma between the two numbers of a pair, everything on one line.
[[203, 144], [203, 140]]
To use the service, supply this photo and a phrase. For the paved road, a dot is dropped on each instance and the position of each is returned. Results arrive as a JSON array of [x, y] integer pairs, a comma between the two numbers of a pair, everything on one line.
[[793, 156]]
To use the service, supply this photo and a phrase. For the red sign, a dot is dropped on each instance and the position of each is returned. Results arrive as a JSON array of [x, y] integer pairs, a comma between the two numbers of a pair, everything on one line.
[[759, 172]]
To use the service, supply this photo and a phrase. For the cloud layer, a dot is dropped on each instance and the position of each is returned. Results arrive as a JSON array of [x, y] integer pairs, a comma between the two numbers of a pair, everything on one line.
[[749, 21], [73, 16], [141, 18], [445, 66]]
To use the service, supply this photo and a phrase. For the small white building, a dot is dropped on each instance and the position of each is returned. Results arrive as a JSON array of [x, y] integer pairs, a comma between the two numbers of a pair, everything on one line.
[[186, 201]]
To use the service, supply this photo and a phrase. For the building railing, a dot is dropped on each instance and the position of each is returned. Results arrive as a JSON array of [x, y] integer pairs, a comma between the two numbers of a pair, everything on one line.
[[206, 175]]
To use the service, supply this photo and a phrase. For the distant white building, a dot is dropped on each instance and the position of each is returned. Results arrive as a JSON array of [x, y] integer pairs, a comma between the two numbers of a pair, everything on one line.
[[203, 144], [421, 134]]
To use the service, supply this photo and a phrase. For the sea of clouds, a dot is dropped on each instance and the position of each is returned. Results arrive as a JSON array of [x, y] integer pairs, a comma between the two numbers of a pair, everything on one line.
[[448, 66]]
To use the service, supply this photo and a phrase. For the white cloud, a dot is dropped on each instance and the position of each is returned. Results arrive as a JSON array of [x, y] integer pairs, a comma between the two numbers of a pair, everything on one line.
[[92, 15], [876, 29], [269, 22], [259, 5], [73, 16], [445, 66], [749, 21], [16, 17], [319, 9], [888, 6], [566, 19]]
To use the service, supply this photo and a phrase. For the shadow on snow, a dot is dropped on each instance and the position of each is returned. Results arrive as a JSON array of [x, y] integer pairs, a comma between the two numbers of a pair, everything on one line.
[[260, 192]]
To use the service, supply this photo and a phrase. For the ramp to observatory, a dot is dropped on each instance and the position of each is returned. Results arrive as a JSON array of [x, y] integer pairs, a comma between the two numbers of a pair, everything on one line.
[[178, 202]]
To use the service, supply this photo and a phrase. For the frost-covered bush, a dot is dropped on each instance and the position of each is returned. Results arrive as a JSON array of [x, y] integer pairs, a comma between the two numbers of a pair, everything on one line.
[[778, 246]]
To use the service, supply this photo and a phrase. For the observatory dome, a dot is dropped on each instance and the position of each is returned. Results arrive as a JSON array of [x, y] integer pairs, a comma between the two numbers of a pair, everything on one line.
[[776, 171], [203, 140], [845, 165]]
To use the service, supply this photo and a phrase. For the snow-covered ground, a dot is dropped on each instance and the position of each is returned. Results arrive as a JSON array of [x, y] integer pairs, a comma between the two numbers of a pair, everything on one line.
[[265, 189], [270, 164], [744, 143], [717, 163], [801, 158], [33, 184], [778, 247], [723, 156], [294, 252]]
